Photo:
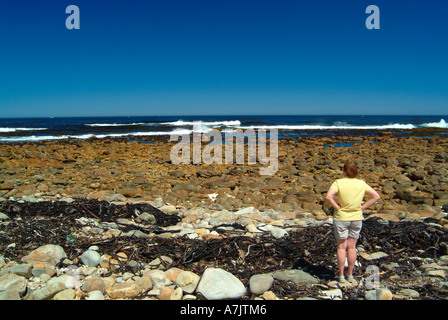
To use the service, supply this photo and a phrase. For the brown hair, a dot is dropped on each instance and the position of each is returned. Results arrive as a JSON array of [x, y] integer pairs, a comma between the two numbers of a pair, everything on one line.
[[350, 169]]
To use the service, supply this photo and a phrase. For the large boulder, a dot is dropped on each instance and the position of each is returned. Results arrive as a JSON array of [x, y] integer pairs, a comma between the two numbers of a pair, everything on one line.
[[218, 284], [49, 254]]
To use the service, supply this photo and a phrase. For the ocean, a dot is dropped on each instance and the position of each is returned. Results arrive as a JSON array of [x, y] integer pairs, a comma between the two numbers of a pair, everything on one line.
[[142, 127]]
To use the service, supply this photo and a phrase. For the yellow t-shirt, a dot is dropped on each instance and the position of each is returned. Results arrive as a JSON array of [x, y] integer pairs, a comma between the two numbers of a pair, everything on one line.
[[350, 193]]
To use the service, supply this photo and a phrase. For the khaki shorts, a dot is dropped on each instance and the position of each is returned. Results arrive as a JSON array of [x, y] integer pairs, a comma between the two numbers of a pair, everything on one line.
[[345, 229]]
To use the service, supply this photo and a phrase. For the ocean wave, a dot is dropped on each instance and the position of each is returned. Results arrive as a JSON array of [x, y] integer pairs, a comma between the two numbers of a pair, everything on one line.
[[230, 123], [91, 135], [330, 127], [5, 129], [121, 124], [441, 124]]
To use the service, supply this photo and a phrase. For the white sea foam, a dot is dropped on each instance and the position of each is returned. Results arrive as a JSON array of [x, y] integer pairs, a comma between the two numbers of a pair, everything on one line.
[[5, 129], [333, 127], [91, 135], [121, 124], [440, 124], [229, 123]]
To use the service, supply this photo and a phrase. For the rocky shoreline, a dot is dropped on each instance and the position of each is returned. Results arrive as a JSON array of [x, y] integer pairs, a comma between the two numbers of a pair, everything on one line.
[[88, 257], [214, 203]]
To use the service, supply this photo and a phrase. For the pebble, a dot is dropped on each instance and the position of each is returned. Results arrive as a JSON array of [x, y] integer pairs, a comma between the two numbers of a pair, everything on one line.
[[23, 270], [94, 284], [177, 294], [124, 290], [409, 293], [269, 295], [299, 277], [332, 294], [49, 291], [278, 233], [67, 294], [95, 295], [379, 294], [165, 293], [260, 283], [91, 258], [375, 255], [188, 281]]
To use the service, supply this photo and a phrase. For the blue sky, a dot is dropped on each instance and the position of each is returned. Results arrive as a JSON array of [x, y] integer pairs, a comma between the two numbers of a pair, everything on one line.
[[193, 57]]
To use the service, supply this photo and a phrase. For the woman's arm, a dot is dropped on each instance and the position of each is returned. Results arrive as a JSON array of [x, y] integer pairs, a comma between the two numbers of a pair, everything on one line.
[[329, 197], [374, 198]]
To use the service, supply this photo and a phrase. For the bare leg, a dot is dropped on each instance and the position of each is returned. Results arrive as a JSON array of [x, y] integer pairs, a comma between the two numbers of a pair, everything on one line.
[[351, 254], [341, 255]]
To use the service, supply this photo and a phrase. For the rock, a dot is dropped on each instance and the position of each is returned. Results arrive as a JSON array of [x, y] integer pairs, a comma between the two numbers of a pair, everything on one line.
[[299, 277], [165, 293], [3, 216], [402, 179], [147, 217], [260, 283], [278, 233], [95, 295], [172, 273], [94, 284], [106, 261], [47, 255], [379, 294], [218, 284], [177, 294], [413, 197], [67, 294], [436, 273], [23, 270], [248, 210], [38, 272], [11, 281], [252, 228], [91, 258], [332, 293], [187, 280], [124, 290], [269, 295], [10, 295], [158, 277], [60, 181], [49, 291], [409, 293], [376, 255], [6, 186], [344, 284], [161, 263], [144, 283], [116, 197], [169, 209]]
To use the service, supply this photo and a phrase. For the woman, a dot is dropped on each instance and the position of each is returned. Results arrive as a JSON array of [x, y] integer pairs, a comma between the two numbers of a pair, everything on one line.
[[347, 219]]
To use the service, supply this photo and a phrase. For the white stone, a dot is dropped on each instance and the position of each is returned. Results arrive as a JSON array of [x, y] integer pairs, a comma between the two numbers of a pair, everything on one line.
[[218, 284], [332, 294], [247, 210], [91, 258], [278, 233], [260, 283]]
